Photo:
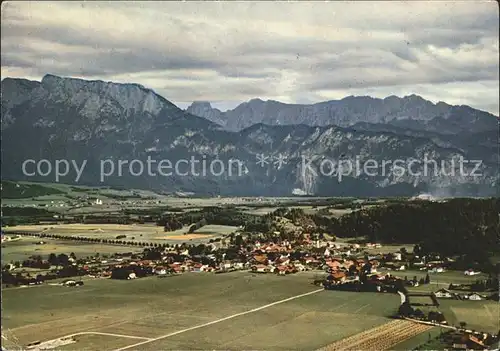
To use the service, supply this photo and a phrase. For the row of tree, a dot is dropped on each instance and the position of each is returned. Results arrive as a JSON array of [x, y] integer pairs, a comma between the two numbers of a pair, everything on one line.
[[94, 240]]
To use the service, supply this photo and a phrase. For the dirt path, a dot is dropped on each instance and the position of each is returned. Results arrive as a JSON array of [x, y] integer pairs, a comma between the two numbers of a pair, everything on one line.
[[137, 346]]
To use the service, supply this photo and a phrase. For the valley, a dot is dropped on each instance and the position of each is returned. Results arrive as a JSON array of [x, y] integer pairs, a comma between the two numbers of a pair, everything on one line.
[[142, 270]]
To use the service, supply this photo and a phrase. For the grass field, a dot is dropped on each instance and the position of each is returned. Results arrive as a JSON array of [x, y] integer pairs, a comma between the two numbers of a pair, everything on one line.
[[184, 312], [107, 231], [26, 247], [213, 229], [141, 232], [479, 315]]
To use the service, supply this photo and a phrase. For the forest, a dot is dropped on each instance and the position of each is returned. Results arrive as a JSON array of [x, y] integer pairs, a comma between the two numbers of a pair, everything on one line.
[[460, 226]]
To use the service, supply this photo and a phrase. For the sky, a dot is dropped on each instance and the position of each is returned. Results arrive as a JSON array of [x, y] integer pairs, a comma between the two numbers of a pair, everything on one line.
[[295, 52]]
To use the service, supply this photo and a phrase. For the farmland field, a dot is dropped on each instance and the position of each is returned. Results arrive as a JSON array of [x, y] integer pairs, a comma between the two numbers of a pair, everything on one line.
[[140, 232], [25, 247], [479, 315], [105, 231], [191, 307]]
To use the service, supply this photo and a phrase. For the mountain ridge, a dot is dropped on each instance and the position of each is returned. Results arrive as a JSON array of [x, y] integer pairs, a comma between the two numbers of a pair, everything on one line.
[[81, 120], [411, 111]]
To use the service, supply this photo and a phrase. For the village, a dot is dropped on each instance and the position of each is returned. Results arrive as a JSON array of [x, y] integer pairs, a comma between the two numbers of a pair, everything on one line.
[[337, 265]]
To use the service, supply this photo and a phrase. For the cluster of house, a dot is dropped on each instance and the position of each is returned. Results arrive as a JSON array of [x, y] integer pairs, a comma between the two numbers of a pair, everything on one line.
[[466, 339], [337, 260], [345, 263], [373, 245], [328, 256], [469, 341], [263, 258], [447, 294], [281, 258], [274, 258], [163, 267]]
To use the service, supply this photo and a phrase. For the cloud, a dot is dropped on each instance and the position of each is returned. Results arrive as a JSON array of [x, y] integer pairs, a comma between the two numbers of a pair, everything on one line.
[[227, 52]]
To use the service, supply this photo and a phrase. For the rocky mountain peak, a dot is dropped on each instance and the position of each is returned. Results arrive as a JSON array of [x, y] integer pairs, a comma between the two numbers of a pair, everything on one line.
[[200, 105], [256, 101], [204, 109], [93, 94]]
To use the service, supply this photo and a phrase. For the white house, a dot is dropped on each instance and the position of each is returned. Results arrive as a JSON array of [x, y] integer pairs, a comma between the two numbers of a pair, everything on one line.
[[226, 265], [443, 293], [475, 297], [471, 272], [132, 276], [239, 265], [160, 271], [397, 256]]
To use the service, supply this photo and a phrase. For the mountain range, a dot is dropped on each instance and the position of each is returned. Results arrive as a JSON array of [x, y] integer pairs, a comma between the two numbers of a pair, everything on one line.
[[411, 112], [282, 148]]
